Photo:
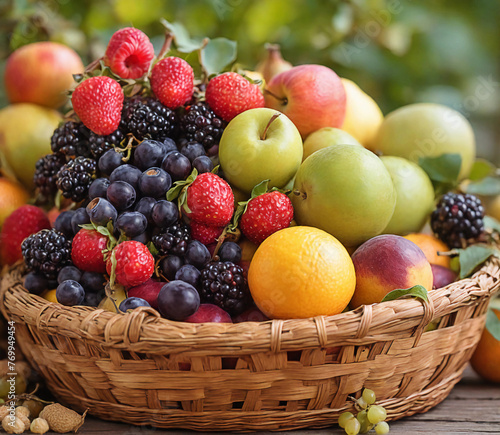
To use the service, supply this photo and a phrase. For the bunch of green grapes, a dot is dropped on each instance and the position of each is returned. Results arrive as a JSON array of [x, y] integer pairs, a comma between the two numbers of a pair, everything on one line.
[[368, 417]]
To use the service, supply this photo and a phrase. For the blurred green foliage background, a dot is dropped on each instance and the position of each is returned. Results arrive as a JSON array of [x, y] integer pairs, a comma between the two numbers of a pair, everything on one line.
[[398, 51]]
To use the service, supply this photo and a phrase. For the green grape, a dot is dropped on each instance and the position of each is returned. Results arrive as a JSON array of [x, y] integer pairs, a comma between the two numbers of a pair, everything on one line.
[[376, 414], [369, 396], [362, 403], [382, 428], [344, 418], [365, 424], [352, 427]]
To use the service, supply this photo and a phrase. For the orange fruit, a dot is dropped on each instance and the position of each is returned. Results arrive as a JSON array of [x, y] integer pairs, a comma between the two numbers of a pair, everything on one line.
[[301, 272], [486, 358], [431, 245], [50, 295], [12, 196]]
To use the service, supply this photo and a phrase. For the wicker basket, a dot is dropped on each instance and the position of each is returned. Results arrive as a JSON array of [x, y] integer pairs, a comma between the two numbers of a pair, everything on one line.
[[141, 369]]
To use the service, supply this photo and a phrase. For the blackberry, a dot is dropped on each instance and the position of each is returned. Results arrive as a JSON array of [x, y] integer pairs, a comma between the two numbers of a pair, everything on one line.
[[199, 123], [46, 170], [458, 219], [71, 139], [46, 252], [173, 240], [75, 178], [223, 284], [148, 118], [100, 144]]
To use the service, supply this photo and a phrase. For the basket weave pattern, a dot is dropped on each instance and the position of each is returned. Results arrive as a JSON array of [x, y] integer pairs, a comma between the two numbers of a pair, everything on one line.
[[277, 375]]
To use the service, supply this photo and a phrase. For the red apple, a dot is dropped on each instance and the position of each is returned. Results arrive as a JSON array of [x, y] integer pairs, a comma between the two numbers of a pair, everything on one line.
[[252, 314], [147, 291], [312, 96], [209, 313], [41, 73]]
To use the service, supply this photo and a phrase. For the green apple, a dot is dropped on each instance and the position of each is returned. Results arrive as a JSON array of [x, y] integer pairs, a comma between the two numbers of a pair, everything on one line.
[[346, 191], [325, 137], [414, 196], [260, 144]]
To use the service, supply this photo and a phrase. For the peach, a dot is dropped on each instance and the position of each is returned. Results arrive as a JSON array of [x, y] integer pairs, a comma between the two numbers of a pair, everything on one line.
[[385, 263], [41, 73]]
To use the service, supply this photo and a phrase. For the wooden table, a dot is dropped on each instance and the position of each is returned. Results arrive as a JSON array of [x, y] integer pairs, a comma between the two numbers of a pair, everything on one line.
[[473, 407]]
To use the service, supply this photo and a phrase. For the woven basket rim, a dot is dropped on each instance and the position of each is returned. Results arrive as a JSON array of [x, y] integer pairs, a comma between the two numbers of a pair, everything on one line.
[[143, 330]]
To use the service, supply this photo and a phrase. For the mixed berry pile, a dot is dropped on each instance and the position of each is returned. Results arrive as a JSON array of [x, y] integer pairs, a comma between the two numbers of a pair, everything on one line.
[[149, 210]]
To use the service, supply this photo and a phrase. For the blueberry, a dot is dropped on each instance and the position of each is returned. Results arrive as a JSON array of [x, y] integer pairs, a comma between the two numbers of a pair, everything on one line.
[[168, 145], [154, 182], [63, 223], [69, 272], [109, 161], [178, 300], [70, 293], [192, 150], [169, 266], [36, 283], [132, 303], [121, 194], [101, 211], [177, 165], [92, 282], [131, 223], [128, 173], [98, 188], [230, 251], [145, 206], [149, 153], [203, 164], [81, 217], [164, 213], [197, 254], [190, 274]]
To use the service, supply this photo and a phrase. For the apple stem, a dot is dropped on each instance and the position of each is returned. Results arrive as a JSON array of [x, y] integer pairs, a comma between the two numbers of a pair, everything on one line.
[[284, 101], [297, 192], [273, 118]]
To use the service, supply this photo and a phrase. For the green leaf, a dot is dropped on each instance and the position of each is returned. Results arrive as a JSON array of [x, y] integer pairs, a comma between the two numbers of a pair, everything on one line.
[[183, 42], [472, 257], [217, 54], [481, 169], [442, 169], [260, 189], [493, 324], [152, 248], [488, 186], [491, 224], [417, 291], [176, 189]]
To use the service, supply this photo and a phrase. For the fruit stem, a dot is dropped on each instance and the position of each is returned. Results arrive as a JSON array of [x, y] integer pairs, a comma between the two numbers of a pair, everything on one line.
[[273, 118], [297, 192], [284, 100], [166, 45]]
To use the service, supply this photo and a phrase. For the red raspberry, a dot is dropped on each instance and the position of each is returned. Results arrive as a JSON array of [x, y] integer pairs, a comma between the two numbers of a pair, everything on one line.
[[87, 251], [21, 223], [134, 263], [266, 214], [229, 94], [205, 234], [98, 102], [210, 201], [172, 81], [129, 53]]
